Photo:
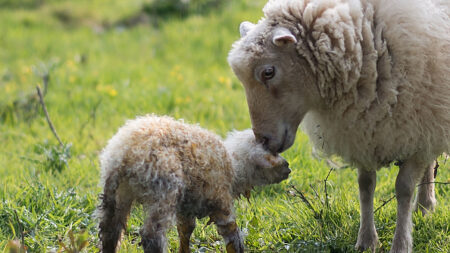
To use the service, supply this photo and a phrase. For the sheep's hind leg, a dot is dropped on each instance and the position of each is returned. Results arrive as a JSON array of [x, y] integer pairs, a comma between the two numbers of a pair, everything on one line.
[[426, 200], [185, 227], [367, 236], [410, 173]]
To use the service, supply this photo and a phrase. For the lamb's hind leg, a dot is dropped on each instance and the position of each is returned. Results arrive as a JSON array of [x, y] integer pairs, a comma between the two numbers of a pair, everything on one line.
[[367, 236], [160, 216], [410, 173], [114, 212], [426, 200], [153, 233], [185, 226]]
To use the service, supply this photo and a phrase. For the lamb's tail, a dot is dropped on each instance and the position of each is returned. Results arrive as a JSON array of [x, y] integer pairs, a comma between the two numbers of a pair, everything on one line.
[[111, 213]]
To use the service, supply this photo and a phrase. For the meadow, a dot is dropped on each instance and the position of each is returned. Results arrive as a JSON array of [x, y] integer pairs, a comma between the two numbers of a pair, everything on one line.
[[102, 62]]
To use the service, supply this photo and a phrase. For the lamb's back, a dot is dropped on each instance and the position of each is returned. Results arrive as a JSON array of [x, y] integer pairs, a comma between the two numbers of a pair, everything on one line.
[[162, 149]]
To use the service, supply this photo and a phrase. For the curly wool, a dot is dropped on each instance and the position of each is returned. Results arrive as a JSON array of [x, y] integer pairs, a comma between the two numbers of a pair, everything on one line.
[[146, 151], [383, 68], [179, 172]]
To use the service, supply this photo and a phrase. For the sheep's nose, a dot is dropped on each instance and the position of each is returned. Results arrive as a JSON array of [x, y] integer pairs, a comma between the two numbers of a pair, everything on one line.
[[263, 139]]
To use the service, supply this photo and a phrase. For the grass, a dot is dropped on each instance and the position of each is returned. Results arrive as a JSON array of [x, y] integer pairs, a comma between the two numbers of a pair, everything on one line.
[[100, 75]]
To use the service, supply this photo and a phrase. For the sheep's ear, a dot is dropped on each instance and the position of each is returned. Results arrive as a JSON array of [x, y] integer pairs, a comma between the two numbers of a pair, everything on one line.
[[245, 27], [282, 36]]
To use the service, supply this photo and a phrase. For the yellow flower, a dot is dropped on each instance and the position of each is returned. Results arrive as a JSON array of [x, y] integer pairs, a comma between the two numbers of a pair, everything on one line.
[[26, 70], [8, 87], [226, 81], [178, 100], [174, 72], [107, 89], [182, 100], [112, 92], [71, 64]]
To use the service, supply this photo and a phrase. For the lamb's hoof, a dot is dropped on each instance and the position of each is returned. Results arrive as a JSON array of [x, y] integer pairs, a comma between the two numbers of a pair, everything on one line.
[[367, 241]]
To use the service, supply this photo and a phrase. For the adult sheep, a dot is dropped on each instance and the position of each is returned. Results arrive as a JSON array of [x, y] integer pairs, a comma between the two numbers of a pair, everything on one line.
[[370, 79]]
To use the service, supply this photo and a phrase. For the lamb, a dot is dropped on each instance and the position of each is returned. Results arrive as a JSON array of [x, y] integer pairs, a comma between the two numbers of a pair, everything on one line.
[[369, 79], [179, 172]]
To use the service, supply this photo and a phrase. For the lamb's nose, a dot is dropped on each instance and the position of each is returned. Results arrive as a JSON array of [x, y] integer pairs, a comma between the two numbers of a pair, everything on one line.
[[287, 171]]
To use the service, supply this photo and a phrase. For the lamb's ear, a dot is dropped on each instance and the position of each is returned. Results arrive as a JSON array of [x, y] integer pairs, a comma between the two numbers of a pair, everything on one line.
[[267, 161], [282, 36], [262, 161], [245, 27]]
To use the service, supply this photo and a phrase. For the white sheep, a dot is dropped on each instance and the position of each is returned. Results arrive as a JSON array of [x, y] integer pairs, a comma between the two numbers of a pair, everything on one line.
[[370, 79], [179, 172]]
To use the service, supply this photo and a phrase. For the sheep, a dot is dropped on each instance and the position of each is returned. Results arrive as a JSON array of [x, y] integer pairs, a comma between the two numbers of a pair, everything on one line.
[[369, 79], [179, 172]]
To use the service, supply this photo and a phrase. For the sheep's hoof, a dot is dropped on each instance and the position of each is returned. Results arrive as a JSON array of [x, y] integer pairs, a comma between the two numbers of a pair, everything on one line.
[[400, 248], [367, 241], [427, 207]]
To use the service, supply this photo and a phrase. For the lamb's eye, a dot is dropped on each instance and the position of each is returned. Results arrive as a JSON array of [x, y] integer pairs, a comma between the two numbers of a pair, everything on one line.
[[268, 73]]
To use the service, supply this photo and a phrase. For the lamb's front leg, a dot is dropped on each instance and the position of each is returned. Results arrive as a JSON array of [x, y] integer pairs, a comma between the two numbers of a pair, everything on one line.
[[410, 173], [367, 236], [185, 227], [228, 229]]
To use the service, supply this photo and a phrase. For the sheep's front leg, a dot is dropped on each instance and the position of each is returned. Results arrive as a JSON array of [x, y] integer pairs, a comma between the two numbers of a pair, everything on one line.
[[426, 200], [228, 229], [367, 236], [185, 227], [410, 173]]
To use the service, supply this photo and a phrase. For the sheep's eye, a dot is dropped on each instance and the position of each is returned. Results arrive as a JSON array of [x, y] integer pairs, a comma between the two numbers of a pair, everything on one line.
[[268, 73]]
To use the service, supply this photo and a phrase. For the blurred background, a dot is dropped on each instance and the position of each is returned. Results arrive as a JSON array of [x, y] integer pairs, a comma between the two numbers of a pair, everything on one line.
[[100, 62]]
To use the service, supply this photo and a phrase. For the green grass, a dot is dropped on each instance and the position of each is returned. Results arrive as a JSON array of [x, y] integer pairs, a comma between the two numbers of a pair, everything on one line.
[[99, 78]]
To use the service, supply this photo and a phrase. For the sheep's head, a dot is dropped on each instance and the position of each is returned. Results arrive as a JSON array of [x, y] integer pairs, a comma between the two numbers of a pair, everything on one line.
[[279, 85], [301, 57], [253, 165]]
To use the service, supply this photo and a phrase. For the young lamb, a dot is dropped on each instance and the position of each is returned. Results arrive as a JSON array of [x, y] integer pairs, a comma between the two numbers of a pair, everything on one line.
[[179, 172], [369, 79]]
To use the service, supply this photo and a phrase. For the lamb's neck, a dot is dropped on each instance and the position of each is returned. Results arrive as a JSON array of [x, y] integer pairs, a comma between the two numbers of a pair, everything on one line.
[[241, 184]]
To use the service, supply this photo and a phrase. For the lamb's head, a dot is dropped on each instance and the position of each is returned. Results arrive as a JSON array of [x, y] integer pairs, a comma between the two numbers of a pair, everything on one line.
[[253, 165], [293, 61]]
